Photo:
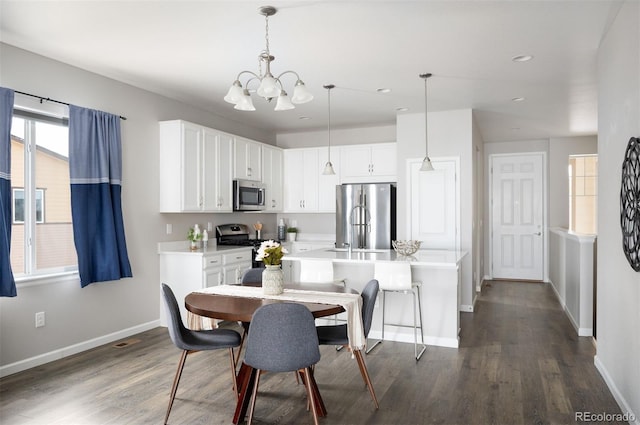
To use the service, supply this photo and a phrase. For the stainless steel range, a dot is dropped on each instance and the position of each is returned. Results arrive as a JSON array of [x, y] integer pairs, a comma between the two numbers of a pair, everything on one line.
[[238, 235]]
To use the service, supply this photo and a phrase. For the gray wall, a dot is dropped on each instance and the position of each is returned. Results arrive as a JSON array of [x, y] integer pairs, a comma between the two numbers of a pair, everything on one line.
[[618, 314]]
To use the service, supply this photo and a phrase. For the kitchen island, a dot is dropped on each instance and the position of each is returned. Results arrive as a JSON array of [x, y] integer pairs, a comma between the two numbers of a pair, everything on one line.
[[438, 270]]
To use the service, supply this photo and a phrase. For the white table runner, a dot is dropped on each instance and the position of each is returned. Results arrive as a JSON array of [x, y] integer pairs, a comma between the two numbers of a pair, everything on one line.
[[352, 303]]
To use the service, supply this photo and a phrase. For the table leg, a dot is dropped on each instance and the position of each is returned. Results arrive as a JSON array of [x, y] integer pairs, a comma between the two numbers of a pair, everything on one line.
[[246, 379], [320, 407]]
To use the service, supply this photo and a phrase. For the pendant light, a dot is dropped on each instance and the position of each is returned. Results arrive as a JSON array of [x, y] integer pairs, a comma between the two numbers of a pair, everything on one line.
[[426, 162], [328, 168]]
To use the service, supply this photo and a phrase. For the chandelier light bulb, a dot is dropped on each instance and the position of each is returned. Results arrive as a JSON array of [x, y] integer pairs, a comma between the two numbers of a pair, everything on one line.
[[235, 93], [283, 103], [245, 103]]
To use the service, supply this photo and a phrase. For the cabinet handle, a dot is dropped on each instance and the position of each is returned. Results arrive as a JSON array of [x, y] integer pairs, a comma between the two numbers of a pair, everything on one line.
[[238, 258], [248, 171], [213, 261]]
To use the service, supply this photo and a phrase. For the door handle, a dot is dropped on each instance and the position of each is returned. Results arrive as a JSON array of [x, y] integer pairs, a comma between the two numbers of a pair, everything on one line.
[[538, 233]]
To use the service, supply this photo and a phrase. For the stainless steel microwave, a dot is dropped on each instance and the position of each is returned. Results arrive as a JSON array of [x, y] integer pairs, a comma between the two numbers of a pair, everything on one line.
[[248, 196]]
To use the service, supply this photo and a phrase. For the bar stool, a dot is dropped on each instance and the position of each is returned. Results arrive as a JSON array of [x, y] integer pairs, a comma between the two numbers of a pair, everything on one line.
[[318, 271], [395, 276]]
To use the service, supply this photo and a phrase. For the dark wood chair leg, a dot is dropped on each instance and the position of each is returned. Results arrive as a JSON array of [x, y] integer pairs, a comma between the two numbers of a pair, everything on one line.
[[176, 381], [246, 378], [365, 376]]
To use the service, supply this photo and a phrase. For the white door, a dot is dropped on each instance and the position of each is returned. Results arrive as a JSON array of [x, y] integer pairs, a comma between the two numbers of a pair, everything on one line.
[[434, 204], [517, 216]]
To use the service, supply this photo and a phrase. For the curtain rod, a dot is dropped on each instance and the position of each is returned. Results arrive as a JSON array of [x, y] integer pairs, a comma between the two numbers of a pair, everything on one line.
[[52, 100]]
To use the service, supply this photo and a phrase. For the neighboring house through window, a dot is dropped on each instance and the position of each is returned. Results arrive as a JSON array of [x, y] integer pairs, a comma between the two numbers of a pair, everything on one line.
[[42, 233], [583, 193]]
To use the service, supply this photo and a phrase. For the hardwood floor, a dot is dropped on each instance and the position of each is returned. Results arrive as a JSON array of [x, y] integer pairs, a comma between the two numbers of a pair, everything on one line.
[[520, 362]]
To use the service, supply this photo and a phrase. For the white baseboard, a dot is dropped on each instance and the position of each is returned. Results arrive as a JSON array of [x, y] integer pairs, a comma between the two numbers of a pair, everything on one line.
[[70, 350], [622, 402], [466, 308]]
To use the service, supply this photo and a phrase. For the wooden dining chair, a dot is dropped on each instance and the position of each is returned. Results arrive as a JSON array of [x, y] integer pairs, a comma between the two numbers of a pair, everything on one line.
[[282, 338], [337, 334], [190, 341]]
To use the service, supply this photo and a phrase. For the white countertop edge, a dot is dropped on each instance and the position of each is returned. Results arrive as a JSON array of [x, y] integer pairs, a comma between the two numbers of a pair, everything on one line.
[[423, 258]]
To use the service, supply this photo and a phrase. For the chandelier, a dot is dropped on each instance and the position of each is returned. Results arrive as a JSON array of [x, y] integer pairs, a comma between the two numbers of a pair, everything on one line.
[[270, 87]]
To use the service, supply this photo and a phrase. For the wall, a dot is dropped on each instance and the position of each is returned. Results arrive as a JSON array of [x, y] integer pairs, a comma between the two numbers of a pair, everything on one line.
[[559, 150], [450, 134], [348, 136], [78, 318], [618, 293]]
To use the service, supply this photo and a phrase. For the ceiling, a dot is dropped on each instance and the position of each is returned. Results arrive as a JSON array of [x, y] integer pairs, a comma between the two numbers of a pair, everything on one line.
[[193, 50]]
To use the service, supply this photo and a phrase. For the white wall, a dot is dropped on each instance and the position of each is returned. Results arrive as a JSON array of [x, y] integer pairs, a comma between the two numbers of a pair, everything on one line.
[[618, 294], [339, 136], [77, 318], [559, 150], [450, 134]]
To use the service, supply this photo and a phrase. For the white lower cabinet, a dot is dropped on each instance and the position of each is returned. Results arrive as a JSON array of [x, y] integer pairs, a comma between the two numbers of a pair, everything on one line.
[[234, 265], [186, 272]]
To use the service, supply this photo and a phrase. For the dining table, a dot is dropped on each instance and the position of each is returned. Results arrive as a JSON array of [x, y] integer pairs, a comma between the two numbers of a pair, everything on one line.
[[241, 309]]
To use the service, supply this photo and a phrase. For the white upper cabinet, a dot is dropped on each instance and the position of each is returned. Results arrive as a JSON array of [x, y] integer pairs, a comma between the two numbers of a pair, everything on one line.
[[301, 174], [368, 163], [306, 189], [248, 160], [217, 182], [272, 177], [195, 175]]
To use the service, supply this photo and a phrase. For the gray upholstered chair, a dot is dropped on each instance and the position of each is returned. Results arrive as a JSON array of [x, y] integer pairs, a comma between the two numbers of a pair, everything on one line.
[[253, 275], [191, 341], [337, 335], [282, 338]]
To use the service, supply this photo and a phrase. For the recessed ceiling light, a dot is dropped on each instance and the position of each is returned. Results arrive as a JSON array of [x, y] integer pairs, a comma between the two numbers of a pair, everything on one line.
[[383, 90], [517, 99], [402, 109], [522, 58]]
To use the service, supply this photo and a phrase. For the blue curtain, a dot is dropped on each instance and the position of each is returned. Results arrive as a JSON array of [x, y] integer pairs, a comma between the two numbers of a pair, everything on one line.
[[7, 283], [95, 164]]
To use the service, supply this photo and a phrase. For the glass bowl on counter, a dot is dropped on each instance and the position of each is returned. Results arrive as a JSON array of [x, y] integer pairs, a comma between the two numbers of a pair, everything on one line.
[[406, 247]]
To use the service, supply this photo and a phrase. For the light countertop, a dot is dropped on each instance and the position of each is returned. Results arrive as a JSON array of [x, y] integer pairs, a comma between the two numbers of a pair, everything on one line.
[[182, 247], [424, 257]]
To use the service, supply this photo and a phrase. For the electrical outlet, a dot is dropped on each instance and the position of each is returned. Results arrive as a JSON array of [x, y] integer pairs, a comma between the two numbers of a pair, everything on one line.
[[40, 319], [169, 228], [209, 226]]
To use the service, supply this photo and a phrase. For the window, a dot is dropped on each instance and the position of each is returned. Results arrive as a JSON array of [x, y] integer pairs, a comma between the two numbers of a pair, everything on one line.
[[18, 206], [583, 193], [41, 233]]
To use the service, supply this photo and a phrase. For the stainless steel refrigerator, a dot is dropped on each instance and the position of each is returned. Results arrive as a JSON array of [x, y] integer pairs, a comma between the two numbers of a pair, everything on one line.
[[365, 215]]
